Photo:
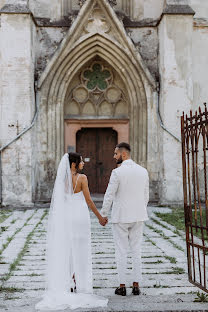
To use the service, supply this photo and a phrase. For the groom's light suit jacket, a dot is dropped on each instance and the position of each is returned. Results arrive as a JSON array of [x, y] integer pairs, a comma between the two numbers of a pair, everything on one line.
[[127, 193]]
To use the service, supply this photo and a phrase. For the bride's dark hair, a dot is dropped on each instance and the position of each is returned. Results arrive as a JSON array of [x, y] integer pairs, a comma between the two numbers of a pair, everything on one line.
[[74, 158]]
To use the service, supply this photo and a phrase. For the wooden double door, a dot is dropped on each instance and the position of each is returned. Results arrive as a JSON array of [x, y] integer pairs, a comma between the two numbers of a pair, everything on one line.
[[96, 145]]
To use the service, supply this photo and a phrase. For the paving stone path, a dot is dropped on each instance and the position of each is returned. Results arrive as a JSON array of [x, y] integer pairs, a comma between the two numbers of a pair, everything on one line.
[[165, 285]]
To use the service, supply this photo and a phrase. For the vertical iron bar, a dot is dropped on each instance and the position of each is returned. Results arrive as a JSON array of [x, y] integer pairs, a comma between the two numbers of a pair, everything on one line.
[[0, 178], [189, 208], [205, 128], [193, 167], [197, 176], [187, 222]]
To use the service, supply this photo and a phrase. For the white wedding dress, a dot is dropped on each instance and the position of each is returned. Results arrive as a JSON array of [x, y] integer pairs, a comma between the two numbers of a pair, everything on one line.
[[68, 250]]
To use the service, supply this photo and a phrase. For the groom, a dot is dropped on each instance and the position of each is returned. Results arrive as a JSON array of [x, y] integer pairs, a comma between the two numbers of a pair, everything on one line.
[[128, 193]]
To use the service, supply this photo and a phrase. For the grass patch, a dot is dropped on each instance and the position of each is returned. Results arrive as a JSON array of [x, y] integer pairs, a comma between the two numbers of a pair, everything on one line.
[[11, 289], [10, 238], [11, 298], [157, 285], [16, 262], [177, 232], [201, 297], [160, 232], [150, 241], [155, 262], [147, 257], [4, 214], [176, 271], [33, 274], [171, 259], [3, 229], [177, 219]]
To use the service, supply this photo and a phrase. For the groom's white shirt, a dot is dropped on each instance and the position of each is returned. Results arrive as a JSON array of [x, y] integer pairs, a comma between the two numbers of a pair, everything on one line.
[[127, 193]]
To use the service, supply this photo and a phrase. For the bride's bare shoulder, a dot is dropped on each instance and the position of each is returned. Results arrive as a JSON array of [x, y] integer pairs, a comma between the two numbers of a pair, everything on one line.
[[83, 177]]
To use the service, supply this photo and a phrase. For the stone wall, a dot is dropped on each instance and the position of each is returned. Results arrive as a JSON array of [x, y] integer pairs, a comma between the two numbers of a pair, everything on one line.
[[200, 7], [176, 95], [48, 40], [199, 52], [146, 41], [17, 37]]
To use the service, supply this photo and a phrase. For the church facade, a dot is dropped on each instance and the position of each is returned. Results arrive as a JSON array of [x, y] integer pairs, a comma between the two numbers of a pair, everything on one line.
[[85, 75]]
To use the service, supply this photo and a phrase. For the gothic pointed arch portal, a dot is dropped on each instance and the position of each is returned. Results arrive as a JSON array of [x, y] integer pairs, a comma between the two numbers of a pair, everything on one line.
[[96, 41]]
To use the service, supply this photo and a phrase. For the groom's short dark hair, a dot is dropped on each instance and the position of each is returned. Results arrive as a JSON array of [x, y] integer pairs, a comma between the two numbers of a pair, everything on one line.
[[124, 145]]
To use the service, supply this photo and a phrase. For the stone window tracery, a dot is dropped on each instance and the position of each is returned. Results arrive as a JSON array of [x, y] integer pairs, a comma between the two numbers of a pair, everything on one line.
[[97, 94], [96, 77]]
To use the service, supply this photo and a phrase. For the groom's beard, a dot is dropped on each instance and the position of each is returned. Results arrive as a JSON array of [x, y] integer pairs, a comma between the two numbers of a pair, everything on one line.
[[119, 161]]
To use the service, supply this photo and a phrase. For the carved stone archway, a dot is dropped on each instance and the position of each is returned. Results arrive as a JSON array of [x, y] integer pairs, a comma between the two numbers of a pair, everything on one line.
[[86, 41], [96, 45]]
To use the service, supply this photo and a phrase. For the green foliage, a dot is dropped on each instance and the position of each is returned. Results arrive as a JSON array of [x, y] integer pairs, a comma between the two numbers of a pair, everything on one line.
[[177, 219], [171, 259], [4, 228], [16, 262], [160, 232], [4, 214], [10, 289], [201, 297]]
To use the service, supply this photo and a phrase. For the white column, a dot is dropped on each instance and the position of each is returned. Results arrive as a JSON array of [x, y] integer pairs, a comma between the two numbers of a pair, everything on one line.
[[176, 95]]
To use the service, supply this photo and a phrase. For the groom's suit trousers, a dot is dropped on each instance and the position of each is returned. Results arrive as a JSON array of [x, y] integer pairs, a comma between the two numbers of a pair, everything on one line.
[[128, 235]]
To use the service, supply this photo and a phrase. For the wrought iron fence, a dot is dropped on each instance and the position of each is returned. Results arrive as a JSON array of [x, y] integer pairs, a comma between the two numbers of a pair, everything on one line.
[[194, 135]]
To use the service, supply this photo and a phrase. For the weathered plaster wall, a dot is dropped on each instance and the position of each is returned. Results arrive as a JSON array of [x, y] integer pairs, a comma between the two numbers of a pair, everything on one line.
[[147, 43], [17, 103], [136, 9], [48, 40], [153, 8], [176, 95], [200, 7], [153, 144], [2, 3], [46, 8], [200, 78]]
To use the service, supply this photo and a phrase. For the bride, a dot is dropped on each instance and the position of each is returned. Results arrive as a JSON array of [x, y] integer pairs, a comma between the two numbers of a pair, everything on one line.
[[68, 250]]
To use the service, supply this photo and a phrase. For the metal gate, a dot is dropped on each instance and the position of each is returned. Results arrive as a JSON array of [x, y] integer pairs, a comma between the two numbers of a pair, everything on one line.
[[194, 134]]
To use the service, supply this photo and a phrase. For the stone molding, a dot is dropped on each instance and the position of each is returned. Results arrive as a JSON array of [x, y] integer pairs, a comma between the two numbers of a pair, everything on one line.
[[200, 22], [178, 9], [74, 125], [15, 9], [112, 2]]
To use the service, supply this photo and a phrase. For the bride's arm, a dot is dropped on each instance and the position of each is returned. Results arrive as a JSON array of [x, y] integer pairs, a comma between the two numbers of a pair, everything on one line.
[[89, 200]]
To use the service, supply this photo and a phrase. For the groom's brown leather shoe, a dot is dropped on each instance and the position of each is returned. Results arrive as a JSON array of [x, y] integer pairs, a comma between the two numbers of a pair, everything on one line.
[[136, 291], [120, 291]]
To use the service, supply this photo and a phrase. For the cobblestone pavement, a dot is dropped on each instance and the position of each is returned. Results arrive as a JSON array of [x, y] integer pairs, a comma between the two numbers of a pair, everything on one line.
[[164, 287]]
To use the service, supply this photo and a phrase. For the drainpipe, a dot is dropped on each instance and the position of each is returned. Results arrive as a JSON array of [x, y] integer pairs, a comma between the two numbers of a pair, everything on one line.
[[17, 137], [161, 122]]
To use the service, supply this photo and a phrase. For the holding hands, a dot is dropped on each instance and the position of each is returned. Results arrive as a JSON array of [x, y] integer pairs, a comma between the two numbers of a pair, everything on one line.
[[103, 220]]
